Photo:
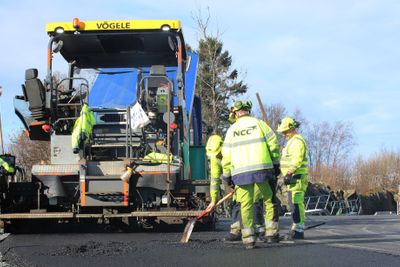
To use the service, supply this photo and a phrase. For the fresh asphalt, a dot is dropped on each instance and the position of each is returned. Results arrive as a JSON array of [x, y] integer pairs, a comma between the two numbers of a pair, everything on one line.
[[342, 241]]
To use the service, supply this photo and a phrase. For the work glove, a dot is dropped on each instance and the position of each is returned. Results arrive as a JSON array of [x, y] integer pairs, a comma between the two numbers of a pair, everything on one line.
[[277, 169], [287, 180]]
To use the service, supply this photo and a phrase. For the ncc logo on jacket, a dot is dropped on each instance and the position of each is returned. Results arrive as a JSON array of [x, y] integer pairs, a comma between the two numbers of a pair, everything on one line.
[[246, 131]]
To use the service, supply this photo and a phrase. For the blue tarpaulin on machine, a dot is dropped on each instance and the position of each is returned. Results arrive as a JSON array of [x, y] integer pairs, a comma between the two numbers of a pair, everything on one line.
[[117, 87], [114, 88]]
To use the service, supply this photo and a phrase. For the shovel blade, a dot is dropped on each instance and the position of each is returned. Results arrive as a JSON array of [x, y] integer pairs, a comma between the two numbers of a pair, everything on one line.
[[188, 231]]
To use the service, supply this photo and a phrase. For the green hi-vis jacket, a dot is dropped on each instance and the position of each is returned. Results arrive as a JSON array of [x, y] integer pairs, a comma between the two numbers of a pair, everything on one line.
[[215, 173], [82, 128], [6, 166], [294, 156], [250, 148], [155, 157]]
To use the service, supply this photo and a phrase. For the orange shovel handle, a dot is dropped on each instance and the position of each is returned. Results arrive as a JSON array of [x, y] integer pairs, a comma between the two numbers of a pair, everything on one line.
[[229, 195]]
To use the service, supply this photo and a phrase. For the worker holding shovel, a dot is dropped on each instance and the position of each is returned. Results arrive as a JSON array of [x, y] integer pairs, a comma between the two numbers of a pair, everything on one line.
[[249, 153], [213, 151]]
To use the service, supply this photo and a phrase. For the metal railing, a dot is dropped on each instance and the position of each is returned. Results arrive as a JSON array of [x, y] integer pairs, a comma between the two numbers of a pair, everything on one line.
[[339, 207], [323, 205], [316, 202]]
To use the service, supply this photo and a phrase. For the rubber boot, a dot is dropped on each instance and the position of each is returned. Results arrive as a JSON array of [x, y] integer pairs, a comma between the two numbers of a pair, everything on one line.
[[260, 237], [248, 238], [249, 245], [272, 239], [293, 235], [233, 238]]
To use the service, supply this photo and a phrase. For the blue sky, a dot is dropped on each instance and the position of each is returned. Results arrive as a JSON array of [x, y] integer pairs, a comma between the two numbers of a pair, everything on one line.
[[334, 60]]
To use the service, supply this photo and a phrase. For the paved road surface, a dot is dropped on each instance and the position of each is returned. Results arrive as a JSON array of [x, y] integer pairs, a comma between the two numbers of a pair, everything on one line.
[[342, 241]]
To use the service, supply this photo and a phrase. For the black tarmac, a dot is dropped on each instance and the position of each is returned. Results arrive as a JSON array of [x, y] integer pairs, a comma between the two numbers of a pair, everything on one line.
[[342, 241]]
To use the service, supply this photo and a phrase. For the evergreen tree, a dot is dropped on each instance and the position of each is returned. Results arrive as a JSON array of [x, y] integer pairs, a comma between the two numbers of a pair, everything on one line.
[[218, 84]]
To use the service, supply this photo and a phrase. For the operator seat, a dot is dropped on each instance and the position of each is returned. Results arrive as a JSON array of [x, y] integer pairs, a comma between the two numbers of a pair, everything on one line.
[[154, 82], [35, 94]]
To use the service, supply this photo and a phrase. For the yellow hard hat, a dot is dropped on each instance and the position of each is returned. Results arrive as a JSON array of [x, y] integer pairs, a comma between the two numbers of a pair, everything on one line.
[[286, 124], [214, 145], [238, 105], [232, 118]]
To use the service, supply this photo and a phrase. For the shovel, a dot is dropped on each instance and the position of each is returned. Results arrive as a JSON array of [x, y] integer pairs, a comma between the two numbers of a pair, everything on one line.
[[190, 225], [313, 226]]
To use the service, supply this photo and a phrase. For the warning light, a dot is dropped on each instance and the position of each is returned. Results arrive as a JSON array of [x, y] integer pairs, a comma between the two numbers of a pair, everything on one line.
[[75, 23], [78, 25], [173, 126], [46, 128]]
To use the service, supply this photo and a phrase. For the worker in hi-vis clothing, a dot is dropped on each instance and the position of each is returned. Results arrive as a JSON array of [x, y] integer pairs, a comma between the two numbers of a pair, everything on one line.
[[6, 167], [213, 150], [259, 223], [249, 153], [294, 168], [82, 129]]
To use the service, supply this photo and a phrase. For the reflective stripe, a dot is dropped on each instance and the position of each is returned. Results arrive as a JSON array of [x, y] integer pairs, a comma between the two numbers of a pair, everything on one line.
[[271, 232], [248, 235], [248, 142], [283, 165], [271, 228], [271, 225], [288, 166], [214, 187], [215, 180], [252, 168], [271, 133]]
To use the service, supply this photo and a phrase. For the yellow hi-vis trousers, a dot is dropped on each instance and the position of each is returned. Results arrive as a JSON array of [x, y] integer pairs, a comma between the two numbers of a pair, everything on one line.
[[245, 196]]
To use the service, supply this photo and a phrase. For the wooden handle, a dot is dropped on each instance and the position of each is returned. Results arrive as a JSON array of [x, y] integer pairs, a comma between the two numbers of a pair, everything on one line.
[[264, 114], [225, 198], [217, 204]]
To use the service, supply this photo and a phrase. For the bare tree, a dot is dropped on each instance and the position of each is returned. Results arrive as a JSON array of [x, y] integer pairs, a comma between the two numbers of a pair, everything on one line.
[[28, 152], [380, 171], [275, 113], [329, 147]]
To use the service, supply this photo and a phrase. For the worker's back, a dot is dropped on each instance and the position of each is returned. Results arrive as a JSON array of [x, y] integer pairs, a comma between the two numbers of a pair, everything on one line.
[[246, 140]]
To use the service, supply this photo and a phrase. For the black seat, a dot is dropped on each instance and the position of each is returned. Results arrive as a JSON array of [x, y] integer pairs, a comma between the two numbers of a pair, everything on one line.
[[35, 93], [24, 92]]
